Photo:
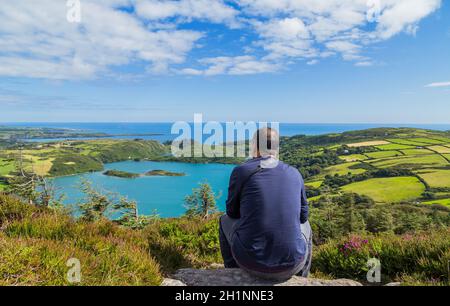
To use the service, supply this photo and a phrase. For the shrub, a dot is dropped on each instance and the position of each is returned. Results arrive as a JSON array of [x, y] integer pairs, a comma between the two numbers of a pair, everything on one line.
[[424, 254], [36, 243], [184, 242]]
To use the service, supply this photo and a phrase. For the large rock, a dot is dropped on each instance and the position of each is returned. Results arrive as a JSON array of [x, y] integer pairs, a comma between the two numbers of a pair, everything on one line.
[[238, 277]]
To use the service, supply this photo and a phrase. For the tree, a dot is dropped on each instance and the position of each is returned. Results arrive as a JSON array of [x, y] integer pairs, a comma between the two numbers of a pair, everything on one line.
[[95, 204], [353, 221], [33, 188], [202, 201], [379, 220], [130, 216]]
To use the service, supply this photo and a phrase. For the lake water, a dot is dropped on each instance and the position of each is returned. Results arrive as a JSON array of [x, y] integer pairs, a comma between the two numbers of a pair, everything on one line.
[[166, 194], [163, 193]]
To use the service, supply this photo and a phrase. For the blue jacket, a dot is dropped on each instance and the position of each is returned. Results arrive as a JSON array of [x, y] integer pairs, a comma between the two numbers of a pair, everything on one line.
[[270, 204]]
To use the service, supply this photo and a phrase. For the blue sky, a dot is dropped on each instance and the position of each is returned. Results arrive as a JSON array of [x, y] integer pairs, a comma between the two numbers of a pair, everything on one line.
[[285, 60]]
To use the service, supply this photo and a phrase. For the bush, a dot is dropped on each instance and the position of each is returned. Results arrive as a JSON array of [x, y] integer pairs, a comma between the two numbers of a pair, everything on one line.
[[422, 254], [184, 242], [35, 245]]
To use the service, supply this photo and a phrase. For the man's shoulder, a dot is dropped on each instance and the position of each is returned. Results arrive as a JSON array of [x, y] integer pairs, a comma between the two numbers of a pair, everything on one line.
[[292, 170], [247, 166]]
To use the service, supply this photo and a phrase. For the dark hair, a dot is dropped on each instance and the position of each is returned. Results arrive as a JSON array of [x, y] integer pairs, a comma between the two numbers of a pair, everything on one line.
[[273, 139]]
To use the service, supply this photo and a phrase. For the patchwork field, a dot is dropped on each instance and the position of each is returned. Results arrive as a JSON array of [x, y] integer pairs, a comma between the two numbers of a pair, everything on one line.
[[393, 146], [444, 202], [344, 169], [315, 184], [436, 178], [388, 190], [368, 143], [353, 157], [412, 162], [413, 152], [384, 154], [73, 157], [427, 153], [408, 142], [440, 149]]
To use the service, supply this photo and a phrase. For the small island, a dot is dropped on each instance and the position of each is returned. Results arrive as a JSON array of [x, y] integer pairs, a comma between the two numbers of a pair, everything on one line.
[[124, 174], [121, 174], [163, 173]]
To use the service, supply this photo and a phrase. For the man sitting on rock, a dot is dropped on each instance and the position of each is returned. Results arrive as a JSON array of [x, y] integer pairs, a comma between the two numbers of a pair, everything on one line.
[[265, 230]]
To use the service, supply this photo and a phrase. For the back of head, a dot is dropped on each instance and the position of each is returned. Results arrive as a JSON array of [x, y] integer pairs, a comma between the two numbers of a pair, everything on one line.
[[265, 142]]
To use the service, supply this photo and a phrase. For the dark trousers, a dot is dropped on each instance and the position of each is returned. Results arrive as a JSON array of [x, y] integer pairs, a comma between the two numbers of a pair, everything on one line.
[[226, 230]]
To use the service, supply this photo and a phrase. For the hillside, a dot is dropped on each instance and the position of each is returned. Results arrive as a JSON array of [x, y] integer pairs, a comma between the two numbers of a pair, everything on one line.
[[72, 157], [387, 165], [37, 242]]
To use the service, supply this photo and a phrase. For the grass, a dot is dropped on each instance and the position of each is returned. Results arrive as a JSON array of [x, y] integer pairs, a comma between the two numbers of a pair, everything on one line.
[[388, 190], [429, 140], [315, 184], [412, 162], [440, 149], [383, 154], [36, 243], [73, 157], [436, 178], [444, 202], [368, 143], [413, 152], [6, 167], [343, 169], [353, 157], [408, 142], [393, 146]]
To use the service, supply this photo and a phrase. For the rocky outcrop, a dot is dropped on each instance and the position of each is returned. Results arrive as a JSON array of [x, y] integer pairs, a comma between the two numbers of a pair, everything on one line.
[[238, 277]]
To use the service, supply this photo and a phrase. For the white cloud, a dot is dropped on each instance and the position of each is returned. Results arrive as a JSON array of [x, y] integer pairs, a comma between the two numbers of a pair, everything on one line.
[[239, 65], [312, 62], [37, 41], [334, 25], [212, 10], [41, 43], [439, 84]]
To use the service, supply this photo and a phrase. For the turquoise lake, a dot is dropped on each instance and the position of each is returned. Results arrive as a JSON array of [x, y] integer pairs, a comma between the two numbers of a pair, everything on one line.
[[164, 194]]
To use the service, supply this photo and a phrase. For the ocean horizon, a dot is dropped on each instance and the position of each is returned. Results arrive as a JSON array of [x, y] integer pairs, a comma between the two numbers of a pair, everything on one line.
[[162, 130]]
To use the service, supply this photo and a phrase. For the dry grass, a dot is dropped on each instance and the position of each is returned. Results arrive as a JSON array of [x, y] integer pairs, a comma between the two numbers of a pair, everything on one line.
[[368, 143]]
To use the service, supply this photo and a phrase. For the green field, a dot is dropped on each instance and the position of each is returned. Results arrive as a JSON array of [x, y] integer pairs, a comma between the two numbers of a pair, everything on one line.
[[344, 169], [388, 190], [315, 184], [408, 142], [413, 152], [440, 149], [353, 157], [429, 140], [436, 178], [412, 162], [6, 167], [72, 157], [384, 154], [393, 146], [445, 202]]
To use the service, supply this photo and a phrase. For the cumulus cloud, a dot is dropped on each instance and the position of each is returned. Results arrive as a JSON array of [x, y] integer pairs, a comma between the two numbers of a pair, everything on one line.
[[37, 41]]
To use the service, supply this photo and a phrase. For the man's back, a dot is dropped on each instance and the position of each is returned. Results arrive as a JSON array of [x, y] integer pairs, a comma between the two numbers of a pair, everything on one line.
[[270, 204]]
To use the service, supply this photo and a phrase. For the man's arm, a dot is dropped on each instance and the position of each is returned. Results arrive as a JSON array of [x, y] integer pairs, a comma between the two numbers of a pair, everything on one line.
[[304, 212], [233, 202]]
